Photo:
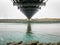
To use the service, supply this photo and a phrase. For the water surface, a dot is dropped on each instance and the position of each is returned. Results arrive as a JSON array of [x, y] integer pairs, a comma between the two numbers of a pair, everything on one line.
[[15, 32]]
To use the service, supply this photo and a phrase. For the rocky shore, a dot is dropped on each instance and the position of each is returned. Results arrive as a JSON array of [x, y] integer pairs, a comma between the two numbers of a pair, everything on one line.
[[32, 43]]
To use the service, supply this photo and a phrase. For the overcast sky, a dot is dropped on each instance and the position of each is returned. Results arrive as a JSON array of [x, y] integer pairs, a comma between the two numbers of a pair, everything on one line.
[[51, 10]]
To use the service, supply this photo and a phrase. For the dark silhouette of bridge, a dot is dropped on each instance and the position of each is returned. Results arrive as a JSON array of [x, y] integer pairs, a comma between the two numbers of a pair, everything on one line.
[[29, 7]]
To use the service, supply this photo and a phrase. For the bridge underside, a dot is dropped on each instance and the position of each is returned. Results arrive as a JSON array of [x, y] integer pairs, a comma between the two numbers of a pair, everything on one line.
[[29, 7]]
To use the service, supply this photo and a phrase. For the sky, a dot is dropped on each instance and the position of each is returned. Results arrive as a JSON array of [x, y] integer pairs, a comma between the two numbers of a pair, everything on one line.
[[8, 11]]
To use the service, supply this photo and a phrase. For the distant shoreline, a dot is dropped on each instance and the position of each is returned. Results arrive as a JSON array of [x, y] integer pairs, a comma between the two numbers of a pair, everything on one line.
[[45, 20]]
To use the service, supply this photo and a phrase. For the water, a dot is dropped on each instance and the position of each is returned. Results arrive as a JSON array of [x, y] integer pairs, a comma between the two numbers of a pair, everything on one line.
[[15, 32]]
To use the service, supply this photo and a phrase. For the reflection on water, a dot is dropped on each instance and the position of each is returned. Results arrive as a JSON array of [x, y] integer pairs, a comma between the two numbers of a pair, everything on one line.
[[10, 32], [29, 35], [29, 28]]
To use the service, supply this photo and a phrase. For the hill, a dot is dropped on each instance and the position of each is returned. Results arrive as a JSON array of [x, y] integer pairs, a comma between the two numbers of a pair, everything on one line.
[[42, 20]]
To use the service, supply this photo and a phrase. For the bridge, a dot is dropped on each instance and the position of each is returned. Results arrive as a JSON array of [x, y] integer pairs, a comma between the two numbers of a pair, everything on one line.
[[29, 7]]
